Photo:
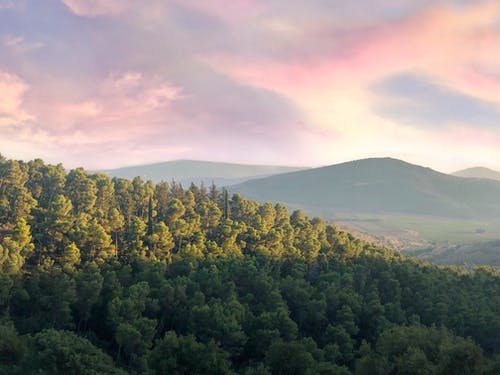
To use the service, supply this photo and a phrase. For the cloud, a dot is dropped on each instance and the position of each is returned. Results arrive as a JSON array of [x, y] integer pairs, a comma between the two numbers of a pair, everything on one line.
[[19, 44], [229, 11], [126, 114], [252, 80], [310, 14], [120, 101], [124, 108], [331, 83], [130, 95], [432, 41], [7, 4], [414, 99], [477, 81], [94, 8], [143, 12], [12, 90]]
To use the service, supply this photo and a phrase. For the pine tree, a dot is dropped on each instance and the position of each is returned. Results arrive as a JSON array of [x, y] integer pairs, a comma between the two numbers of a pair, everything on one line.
[[226, 204], [150, 216]]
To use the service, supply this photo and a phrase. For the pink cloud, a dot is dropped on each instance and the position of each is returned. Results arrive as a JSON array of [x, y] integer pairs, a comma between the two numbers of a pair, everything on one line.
[[320, 59], [12, 91], [128, 101], [73, 112], [124, 112], [131, 94], [332, 85], [438, 42], [476, 82], [123, 108]]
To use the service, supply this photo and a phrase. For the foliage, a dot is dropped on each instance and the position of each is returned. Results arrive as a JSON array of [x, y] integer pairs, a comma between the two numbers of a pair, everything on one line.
[[101, 275]]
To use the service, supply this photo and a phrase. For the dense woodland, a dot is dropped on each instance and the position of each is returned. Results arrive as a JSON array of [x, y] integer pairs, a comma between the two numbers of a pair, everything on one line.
[[115, 276]]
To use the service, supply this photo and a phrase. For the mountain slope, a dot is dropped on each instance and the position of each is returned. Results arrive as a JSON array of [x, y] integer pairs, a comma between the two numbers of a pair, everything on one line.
[[478, 172], [187, 171], [471, 254], [379, 185]]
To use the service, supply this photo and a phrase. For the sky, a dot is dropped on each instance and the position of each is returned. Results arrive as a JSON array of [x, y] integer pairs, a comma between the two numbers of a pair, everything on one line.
[[110, 83]]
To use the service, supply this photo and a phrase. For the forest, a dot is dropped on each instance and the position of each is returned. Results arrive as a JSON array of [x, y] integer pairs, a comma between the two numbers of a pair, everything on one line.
[[118, 276]]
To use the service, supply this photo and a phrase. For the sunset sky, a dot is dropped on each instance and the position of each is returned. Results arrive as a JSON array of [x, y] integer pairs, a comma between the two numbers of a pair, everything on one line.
[[108, 83]]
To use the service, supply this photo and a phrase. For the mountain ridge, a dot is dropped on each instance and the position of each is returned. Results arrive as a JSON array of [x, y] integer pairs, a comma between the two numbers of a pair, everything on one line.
[[186, 171], [478, 172], [379, 185]]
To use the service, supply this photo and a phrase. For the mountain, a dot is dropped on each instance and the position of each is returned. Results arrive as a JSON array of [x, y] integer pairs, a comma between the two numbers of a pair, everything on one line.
[[187, 171], [379, 186], [478, 172]]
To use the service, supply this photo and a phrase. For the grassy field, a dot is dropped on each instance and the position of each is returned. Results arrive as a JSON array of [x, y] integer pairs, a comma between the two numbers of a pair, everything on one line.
[[443, 241], [440, 240], [468, 255], [413, 232]]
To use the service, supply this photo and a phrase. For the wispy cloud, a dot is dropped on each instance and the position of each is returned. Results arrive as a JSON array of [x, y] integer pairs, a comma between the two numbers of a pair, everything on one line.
[[412, 99], [19, 44], [93, 8]]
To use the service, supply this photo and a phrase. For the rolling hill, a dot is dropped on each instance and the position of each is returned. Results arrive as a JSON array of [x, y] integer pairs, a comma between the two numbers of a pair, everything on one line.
[[379, 186], [478, 172], [391, 202], [187, 171]]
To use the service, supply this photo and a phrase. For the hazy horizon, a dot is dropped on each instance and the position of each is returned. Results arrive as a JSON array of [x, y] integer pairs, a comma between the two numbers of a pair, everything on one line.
[[270, 164], [104, 84], [280, 165]]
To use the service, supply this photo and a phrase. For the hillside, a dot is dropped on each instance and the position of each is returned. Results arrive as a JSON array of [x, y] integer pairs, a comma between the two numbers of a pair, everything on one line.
[[468, 255], [478, 172], [197, 171], [379, 186], [126, 277]]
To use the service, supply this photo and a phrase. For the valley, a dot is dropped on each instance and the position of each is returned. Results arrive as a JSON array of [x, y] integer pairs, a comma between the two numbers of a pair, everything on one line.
[[402, 206]]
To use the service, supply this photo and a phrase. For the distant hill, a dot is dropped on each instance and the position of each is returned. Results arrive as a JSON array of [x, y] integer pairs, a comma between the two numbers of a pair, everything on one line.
[[478, 172], [379, 186], [187, 171]]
